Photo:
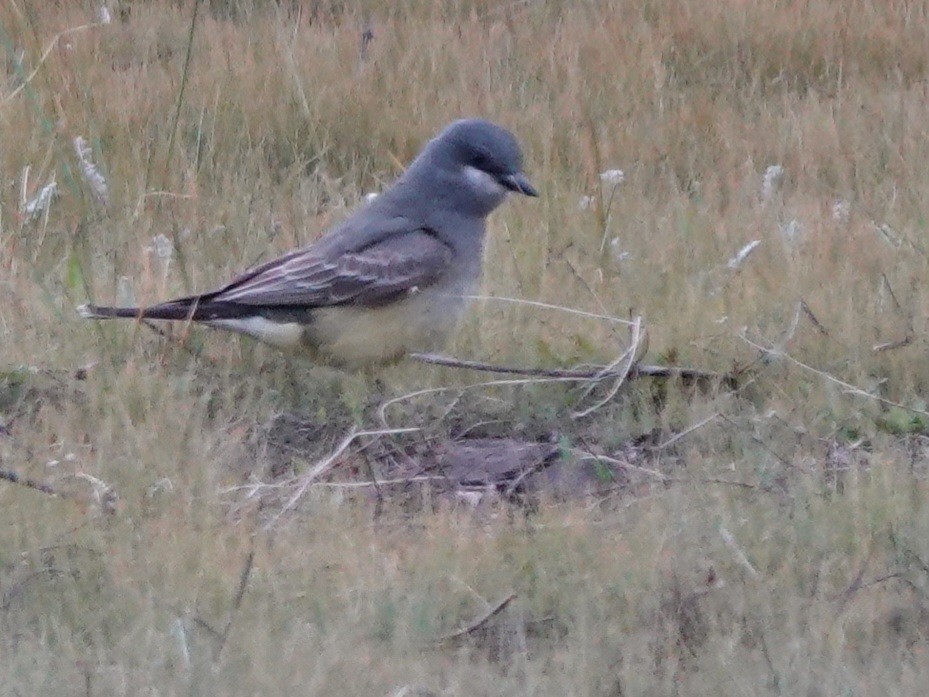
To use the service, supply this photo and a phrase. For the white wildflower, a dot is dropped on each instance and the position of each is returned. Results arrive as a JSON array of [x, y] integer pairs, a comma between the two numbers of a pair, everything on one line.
[[125, 296], [586, 202], [736, 261], [791, 230], [618, 254], [103, 15], [37, 205], [887, 233], [179, 632], [163, 250], [163, 484], [840, 211], [770, 180], [91, 172], [162, 247], [471, 498], [103, 492], [614, 177]]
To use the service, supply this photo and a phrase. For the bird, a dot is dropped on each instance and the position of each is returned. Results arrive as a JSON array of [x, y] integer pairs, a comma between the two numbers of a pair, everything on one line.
[[393, 278]]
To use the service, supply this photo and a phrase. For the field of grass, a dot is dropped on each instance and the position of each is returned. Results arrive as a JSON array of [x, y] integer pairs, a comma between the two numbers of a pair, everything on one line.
[[210, 522]]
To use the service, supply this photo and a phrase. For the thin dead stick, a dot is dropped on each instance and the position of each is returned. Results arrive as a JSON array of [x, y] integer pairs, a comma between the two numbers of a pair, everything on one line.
[[623, 374], [858, 584], [758, 441], [104, 495], [542, 463], [254, 488], [890, 289], [326, 464], [45, 54], [239, 595], [180, 341], [436, 359], [792, 329], [571, 375], [243, 582], [206, 627], [689, 374], [341, 485], [714, 480], [548, 306], [585, 456], [810, 316], [14, 478], [850, 388], [677, 436], [382, 482], [478, 623], [541, 375], [628, 357], [892, 345], [664, 479], [382, 410], [740, 556], [579, 277]]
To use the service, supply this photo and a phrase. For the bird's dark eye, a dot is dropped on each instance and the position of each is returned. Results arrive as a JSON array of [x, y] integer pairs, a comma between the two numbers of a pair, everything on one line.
[[481, 161]]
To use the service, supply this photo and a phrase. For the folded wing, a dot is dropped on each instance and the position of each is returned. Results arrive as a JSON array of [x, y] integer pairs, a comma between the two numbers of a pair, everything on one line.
[[370, 276]]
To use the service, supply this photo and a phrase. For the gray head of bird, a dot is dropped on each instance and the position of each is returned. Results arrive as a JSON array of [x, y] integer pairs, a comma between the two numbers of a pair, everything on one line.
[[470, 167]]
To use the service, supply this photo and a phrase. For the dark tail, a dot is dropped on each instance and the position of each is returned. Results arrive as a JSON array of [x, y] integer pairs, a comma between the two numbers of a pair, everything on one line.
[[196, 309]]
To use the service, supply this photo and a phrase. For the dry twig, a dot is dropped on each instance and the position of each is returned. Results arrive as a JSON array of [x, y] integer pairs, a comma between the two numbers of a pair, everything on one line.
[[595, 373], [847, 386], [14, 478], [740, 556], [45, 54], [244, 577], [478, 623], [325, 465], [893, 345], [687, 431], [627, 359]]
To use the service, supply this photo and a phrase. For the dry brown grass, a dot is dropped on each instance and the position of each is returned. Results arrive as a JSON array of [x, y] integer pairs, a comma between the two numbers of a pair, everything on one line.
[[809, 578]]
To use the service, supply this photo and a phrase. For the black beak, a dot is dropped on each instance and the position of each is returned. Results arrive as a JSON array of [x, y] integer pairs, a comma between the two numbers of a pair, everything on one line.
[[518, 183]]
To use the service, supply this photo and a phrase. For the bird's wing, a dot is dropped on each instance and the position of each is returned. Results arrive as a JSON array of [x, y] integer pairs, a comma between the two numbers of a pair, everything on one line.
[[372, 275]]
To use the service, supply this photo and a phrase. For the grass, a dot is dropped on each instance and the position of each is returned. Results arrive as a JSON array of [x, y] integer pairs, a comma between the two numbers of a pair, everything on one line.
[[780, 547]]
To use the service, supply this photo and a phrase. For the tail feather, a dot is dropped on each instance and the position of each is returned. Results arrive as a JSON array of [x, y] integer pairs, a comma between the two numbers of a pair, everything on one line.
[[185, 309], [100, 312]]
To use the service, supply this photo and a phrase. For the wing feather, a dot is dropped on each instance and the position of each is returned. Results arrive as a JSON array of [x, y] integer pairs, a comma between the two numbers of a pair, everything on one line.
[[369, 276]]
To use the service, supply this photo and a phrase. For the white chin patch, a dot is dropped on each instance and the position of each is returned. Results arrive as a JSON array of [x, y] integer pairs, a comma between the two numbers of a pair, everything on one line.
[[483, 182]]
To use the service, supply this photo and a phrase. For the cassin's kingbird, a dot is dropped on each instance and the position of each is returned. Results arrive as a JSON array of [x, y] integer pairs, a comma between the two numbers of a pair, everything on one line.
[[392, 278]]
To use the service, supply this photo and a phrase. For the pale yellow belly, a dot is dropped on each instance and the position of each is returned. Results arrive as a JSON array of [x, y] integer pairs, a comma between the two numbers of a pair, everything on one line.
[[354, 336]]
